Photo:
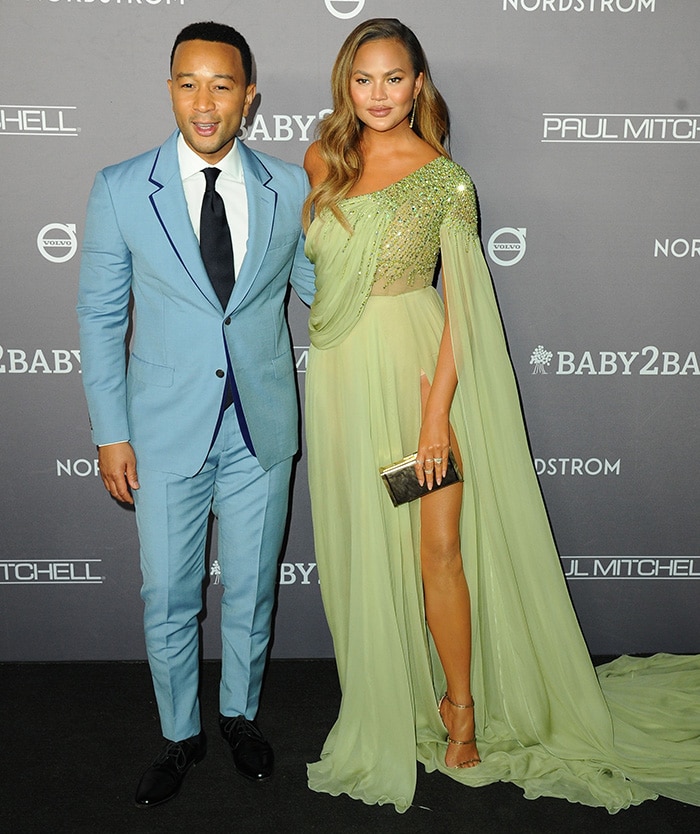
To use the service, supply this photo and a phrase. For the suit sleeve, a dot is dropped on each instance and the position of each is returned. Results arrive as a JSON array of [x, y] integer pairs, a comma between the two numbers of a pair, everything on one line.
[[302, 278], [103, 316]]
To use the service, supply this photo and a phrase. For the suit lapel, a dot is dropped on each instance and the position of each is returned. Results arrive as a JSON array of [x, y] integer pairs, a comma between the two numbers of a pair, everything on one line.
[[170, 206], [262, 200]]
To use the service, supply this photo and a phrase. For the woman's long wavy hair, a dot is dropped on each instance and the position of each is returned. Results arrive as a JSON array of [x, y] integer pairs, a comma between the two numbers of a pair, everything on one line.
[[340, 132]]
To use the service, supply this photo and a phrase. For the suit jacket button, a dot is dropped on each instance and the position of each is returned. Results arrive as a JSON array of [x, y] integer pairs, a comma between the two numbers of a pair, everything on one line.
[[220, 373], [227, 320]]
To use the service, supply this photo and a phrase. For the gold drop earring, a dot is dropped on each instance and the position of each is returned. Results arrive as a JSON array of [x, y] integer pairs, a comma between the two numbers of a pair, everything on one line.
[[413, 113]]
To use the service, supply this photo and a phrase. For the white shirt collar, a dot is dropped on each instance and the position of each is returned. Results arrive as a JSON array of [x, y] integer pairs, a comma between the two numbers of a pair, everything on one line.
[[191, 163]]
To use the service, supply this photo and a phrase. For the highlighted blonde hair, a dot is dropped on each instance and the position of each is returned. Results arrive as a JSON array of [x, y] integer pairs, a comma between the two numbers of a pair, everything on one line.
[[340, 132]]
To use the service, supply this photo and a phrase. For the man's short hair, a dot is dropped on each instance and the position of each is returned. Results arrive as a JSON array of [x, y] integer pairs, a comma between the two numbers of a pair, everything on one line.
[[216, 33]]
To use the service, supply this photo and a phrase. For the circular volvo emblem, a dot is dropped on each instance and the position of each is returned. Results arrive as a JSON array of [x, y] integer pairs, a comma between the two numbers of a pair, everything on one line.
[[57, 242], [507, 246], [345, 9]]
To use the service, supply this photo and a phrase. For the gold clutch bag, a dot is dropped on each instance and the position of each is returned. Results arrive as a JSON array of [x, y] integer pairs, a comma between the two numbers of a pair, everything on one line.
[[402, 483]]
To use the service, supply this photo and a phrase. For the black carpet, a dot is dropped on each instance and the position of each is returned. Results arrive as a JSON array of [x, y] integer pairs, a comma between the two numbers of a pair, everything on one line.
[[75, 737]]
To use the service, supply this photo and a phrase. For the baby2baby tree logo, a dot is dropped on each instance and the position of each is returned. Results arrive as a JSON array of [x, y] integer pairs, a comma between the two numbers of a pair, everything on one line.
[[649, 361]]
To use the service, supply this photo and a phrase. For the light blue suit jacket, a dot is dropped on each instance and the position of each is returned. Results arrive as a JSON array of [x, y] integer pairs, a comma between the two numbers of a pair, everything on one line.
[[165, 393]]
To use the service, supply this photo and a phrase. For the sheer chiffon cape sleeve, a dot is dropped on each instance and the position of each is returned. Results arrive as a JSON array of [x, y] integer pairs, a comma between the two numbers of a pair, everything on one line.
[[546, 720]]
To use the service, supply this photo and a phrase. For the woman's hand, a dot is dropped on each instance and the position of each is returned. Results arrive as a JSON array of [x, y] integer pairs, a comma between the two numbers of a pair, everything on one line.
[[433, 448]]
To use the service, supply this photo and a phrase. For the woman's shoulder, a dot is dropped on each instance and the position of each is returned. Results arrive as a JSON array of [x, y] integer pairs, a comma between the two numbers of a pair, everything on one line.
[[447, 182], [458, 196], [314, 165], [451, 171]]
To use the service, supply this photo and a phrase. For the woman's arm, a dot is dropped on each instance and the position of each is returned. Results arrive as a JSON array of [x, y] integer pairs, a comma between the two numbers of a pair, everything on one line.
[[434, 439]]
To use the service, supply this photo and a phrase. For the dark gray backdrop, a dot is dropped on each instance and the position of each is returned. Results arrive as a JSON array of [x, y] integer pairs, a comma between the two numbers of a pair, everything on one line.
[[578, 120]]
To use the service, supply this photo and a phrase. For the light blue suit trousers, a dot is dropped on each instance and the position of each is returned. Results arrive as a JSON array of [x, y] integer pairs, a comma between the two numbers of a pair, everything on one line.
[[250, 504]]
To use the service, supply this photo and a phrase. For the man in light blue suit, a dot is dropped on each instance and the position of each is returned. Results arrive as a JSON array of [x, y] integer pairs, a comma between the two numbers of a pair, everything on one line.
[[203, 414]]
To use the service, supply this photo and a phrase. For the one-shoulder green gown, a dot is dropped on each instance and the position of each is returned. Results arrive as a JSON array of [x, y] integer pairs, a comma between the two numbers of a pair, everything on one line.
[[545, 719]]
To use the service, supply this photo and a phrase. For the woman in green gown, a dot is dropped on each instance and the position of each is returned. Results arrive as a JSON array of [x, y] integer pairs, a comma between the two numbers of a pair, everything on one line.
[[450, 615]]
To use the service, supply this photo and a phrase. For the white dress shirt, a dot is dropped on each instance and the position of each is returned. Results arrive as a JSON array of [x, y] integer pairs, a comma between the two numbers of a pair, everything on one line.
[[229, 184]]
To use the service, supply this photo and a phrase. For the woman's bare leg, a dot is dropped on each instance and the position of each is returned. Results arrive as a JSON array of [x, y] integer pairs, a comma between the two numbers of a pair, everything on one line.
[[448, 609]]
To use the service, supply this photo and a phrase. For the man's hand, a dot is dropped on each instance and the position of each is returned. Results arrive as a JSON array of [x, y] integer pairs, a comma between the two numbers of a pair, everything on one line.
[[117, 464]]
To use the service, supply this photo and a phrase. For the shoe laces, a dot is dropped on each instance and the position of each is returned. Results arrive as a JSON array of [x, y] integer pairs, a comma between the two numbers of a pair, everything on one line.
[[174, 750], [243, 726]]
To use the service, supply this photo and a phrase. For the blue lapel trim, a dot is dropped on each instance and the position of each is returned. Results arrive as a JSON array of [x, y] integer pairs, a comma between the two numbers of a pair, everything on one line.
[[262, 201], [170, 206]]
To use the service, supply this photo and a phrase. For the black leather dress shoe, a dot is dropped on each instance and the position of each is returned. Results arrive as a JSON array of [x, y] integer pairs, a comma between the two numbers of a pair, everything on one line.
[[252, 755], [163, 779]]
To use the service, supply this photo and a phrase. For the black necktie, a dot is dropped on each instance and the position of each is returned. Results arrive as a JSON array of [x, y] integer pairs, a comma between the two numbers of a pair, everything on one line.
[[215, 239]]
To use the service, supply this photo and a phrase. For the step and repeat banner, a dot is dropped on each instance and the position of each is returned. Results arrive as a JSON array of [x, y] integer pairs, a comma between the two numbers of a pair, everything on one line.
[[579, 121]]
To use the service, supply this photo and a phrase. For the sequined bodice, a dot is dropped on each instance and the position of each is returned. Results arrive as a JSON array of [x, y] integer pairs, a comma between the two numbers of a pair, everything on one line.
[[418, 205], [397, 234]]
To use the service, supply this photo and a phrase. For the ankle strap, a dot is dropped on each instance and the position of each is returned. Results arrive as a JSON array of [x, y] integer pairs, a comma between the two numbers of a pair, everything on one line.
[[459, 706]]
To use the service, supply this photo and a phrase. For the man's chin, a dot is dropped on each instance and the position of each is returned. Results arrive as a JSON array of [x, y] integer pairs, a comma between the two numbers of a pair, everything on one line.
[[206, 149]]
